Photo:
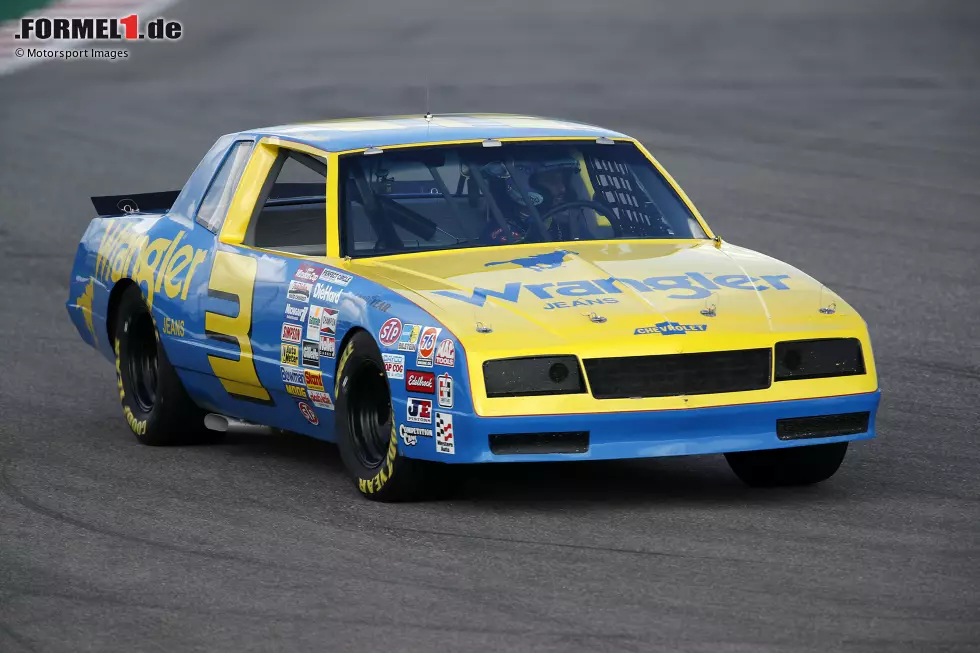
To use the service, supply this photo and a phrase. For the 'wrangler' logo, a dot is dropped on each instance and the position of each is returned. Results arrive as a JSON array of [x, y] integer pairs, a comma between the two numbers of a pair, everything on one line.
[[691, 285], [158, 265]]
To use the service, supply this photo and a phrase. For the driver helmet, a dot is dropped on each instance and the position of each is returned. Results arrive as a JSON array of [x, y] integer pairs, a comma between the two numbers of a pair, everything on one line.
[[525, 176]]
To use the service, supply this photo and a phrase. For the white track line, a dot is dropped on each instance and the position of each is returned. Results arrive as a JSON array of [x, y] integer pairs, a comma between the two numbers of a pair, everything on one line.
[[9, 62]]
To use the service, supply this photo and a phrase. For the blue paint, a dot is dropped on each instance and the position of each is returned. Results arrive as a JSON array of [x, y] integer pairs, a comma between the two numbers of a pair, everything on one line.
[[537, 262]]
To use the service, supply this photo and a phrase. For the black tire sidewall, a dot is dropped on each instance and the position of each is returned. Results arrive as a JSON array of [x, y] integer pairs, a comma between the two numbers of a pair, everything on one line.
[[173, 418], [801, 465], [375, 482]]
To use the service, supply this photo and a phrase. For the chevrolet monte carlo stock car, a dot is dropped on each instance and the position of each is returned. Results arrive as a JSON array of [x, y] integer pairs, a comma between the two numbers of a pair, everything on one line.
[[436, 290]]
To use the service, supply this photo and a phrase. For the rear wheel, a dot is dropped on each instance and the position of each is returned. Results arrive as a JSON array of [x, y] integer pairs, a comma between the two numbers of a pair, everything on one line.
[[791, 466], [155, 404], [366, 429]]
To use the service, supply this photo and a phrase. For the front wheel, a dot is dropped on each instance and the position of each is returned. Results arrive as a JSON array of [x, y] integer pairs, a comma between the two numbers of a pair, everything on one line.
[[792, 466], [154, 402], [366, 430]]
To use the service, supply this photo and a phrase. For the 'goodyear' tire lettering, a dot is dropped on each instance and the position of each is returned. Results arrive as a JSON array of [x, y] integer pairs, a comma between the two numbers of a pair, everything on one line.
[[233, 279], [348, 350], [372, 485]]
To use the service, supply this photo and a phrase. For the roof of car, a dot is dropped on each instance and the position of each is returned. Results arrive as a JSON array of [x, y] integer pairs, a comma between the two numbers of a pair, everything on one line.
[[360, 133]]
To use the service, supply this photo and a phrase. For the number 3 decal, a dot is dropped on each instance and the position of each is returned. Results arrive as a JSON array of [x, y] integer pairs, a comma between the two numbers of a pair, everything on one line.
[[233, 279]]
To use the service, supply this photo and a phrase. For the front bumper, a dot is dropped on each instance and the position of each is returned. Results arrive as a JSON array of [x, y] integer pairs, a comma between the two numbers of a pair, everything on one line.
[[653, 434]]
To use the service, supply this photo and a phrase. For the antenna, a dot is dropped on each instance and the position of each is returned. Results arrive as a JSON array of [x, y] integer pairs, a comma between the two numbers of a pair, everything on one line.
[[428, 114]]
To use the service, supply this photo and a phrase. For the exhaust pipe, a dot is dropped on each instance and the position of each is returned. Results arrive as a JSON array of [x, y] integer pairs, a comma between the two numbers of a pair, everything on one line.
[[225, 424]]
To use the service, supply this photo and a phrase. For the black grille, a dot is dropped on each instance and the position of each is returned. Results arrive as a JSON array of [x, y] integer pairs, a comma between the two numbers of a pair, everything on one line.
[[679, 374], [528, 443], [822, 426]]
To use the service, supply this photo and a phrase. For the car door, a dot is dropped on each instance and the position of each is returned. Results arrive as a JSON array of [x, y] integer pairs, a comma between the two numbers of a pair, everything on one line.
[[263, 308]]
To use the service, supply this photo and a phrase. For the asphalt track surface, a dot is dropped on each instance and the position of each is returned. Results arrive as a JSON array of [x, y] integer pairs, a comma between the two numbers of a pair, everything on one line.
[[840, 136]]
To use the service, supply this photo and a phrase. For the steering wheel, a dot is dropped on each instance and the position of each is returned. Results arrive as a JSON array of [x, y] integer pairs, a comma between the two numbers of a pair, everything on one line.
[[586, 204]]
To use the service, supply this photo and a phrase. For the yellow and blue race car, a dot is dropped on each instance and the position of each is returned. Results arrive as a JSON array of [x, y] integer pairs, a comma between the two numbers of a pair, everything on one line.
[[464, 289]]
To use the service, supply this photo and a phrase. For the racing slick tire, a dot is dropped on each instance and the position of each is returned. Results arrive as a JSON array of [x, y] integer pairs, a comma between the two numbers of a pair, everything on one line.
[[793, 466], [154, 402], [367, 435]]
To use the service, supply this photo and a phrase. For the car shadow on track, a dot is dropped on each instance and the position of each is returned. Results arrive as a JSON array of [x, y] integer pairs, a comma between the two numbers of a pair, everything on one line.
[[682, 480]]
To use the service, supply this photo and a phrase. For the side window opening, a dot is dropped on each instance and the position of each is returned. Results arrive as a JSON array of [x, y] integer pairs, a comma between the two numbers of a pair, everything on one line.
[[291, 214], [214, 206]]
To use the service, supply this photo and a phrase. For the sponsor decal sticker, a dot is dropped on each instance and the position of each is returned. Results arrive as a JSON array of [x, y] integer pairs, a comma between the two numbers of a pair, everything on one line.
[[419, 410], [313, 323], [326, 293], [308, 413], [445, 442], [411, 434], [446, 353], [328, 346], [299, 291], [538, 262], [297, 391], [292, 332], [289, 354], [311, 353], [321, 399], [394, 365], [445, 383], [308, 273], [668, 328], [292, 375], [328, 320], [297, 313], [335, 277], [314, 380], [416, 381], [388, 334], [691, 285], [427, 346], [409, 337]]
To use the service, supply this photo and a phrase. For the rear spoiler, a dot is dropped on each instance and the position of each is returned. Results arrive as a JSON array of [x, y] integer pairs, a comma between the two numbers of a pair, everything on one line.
[[114, 205]]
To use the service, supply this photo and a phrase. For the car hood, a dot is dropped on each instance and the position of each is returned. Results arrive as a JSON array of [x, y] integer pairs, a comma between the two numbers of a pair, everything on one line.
[[681, 295]]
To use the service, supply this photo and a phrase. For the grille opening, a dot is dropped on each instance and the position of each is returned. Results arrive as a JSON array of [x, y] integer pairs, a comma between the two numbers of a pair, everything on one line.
[[529, 443], [679, 374], [822, 426]]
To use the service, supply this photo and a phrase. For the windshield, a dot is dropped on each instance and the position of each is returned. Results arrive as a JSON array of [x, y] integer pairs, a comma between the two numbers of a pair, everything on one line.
[[450, 197]]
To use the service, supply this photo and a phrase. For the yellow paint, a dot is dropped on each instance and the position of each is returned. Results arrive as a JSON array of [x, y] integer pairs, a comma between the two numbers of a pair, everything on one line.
[[531, 325], [333, 206], [154, 265], [199, 257], [234, 275], [166, 259], [550, 314], [172, 327], [250, 187], [247, 193], [147, 262], [84, 304]]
